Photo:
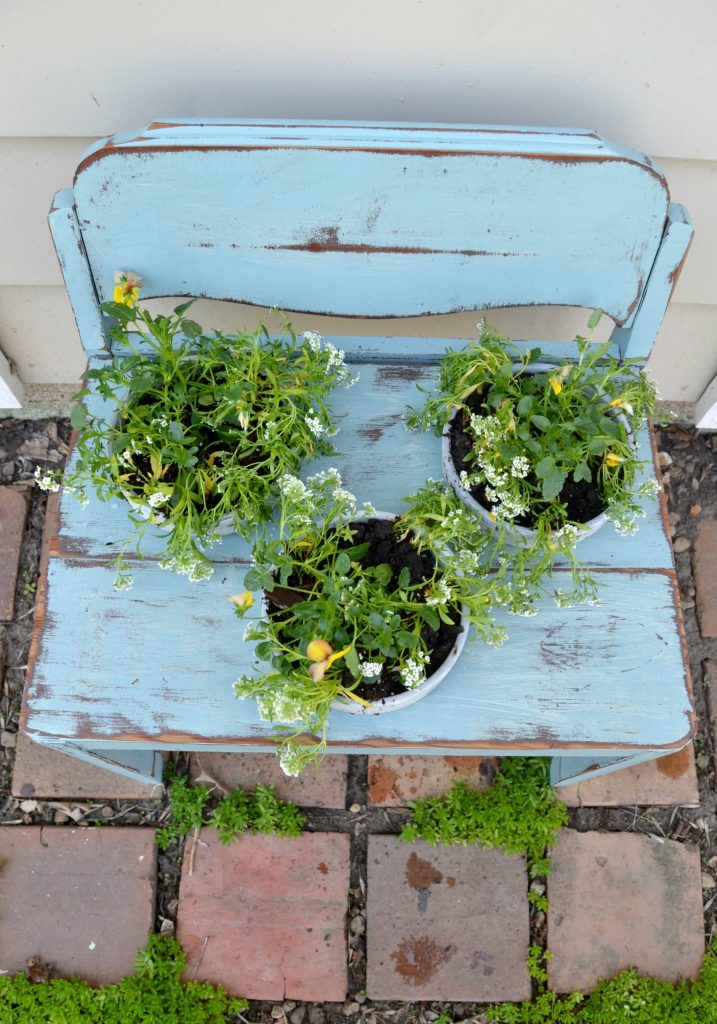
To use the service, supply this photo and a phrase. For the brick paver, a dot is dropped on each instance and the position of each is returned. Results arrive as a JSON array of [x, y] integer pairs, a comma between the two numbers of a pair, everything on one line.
[[703, 566], [265, 916], [395, 780], [445, 922], [43, 774], [619, 900], [665, 781], [13, 510], [324, 786], [81, 899]]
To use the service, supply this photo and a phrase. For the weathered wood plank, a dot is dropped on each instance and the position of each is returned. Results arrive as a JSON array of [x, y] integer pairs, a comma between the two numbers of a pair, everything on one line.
[[374, 221], [155, 666]]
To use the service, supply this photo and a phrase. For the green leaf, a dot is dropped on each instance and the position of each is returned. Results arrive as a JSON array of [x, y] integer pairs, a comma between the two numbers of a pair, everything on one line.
[[191, 329], [594, 319], [176, 431], [582, 472], [179, 310], [383, 573], [597, 446], [541, 422], [406, 639], [552, 477], [343, 564], [78, 416], [404, 577], [376, 621], [430, 615], [357, 552], [352, 662], [525, 404]]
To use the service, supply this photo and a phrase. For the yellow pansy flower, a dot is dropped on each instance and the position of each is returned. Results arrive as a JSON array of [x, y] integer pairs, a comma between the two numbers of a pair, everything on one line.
[[620, 403], [611, 459], [319, 650], [242, 602], [127, 287]]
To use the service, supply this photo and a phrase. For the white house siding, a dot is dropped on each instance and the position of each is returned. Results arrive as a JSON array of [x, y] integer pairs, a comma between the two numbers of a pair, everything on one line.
[[642, 73]]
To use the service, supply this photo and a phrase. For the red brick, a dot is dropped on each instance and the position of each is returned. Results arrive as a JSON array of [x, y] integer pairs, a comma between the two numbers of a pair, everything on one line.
[[619, 900], [393, 780], [13, 510], [445, 922], [265, 917], [665, 781], [81, 899], [47, 774], [324, 786], [704, 567]]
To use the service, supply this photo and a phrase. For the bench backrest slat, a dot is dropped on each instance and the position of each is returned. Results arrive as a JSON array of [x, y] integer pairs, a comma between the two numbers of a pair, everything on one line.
[[369, 220]]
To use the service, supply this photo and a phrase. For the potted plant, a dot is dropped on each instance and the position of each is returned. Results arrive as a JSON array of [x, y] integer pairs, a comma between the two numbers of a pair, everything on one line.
[[200, 426], [544, 453], [364, 612]]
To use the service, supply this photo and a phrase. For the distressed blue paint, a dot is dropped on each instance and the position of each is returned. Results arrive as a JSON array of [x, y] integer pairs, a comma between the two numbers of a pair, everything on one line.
[[369, 220], [76, 272], [604, 676], [566, 771]]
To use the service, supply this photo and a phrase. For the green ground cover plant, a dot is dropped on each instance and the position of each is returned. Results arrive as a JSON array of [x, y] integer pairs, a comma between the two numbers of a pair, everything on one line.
[[154, 995], [625, 999], [257, 810], [520, 813]]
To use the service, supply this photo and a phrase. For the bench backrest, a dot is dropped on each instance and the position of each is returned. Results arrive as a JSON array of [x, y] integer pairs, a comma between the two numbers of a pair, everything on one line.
[[372, 220]]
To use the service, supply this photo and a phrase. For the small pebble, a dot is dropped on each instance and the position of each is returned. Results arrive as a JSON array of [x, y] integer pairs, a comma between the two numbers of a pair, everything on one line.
[[316, 1015], [8, 739], [106, 811], [708, 881], [358, 925], [538, 887], [360, 997], [28, 806], [664, 459], [355, 808], [695, 510], [681, 544], [60, 817], [297, 1015], [288, 1006], [351, 1007], [166, 927], [277, 1012]]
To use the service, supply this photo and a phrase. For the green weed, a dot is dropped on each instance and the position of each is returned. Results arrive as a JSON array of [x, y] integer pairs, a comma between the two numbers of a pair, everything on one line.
[[154, 996]]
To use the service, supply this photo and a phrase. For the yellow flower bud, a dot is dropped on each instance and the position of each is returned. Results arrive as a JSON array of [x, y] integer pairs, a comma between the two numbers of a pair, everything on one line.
[[556, 384], [318, 650]]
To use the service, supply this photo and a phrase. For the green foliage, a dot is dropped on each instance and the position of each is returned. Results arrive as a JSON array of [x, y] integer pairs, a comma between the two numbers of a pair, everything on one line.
[[154, 996], [537, 431], [374, 622], [187, 804], [257, 811], [197, 428], [626, 999], [519, 813]]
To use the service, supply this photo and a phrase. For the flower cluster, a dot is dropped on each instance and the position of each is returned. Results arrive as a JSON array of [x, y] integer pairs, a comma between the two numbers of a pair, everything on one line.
[[201, 427]]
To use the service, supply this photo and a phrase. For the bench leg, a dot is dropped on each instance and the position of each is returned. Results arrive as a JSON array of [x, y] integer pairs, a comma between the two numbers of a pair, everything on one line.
[[564, 771], [141, 765]]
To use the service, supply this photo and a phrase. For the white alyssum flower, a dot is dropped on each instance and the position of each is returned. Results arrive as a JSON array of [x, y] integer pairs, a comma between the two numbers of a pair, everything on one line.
[[187, 565], [290, 761], [441, 594], [46, 481], [315, 425], [157, 499], [292, 488], [520, 467], [314, 340], [123, 582], [413, 672], [371, 669]]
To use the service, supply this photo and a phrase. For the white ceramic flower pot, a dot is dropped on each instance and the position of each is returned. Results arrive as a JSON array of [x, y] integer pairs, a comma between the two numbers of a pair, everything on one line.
[[400, 700], [514, 534]]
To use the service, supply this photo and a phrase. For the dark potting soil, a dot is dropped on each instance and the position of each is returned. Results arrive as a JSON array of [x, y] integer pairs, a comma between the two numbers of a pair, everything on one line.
[[582, 500], [385, 548]]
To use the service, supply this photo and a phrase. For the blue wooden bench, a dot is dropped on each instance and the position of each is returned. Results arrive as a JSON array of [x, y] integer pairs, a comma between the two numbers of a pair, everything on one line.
[[371, 220]]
